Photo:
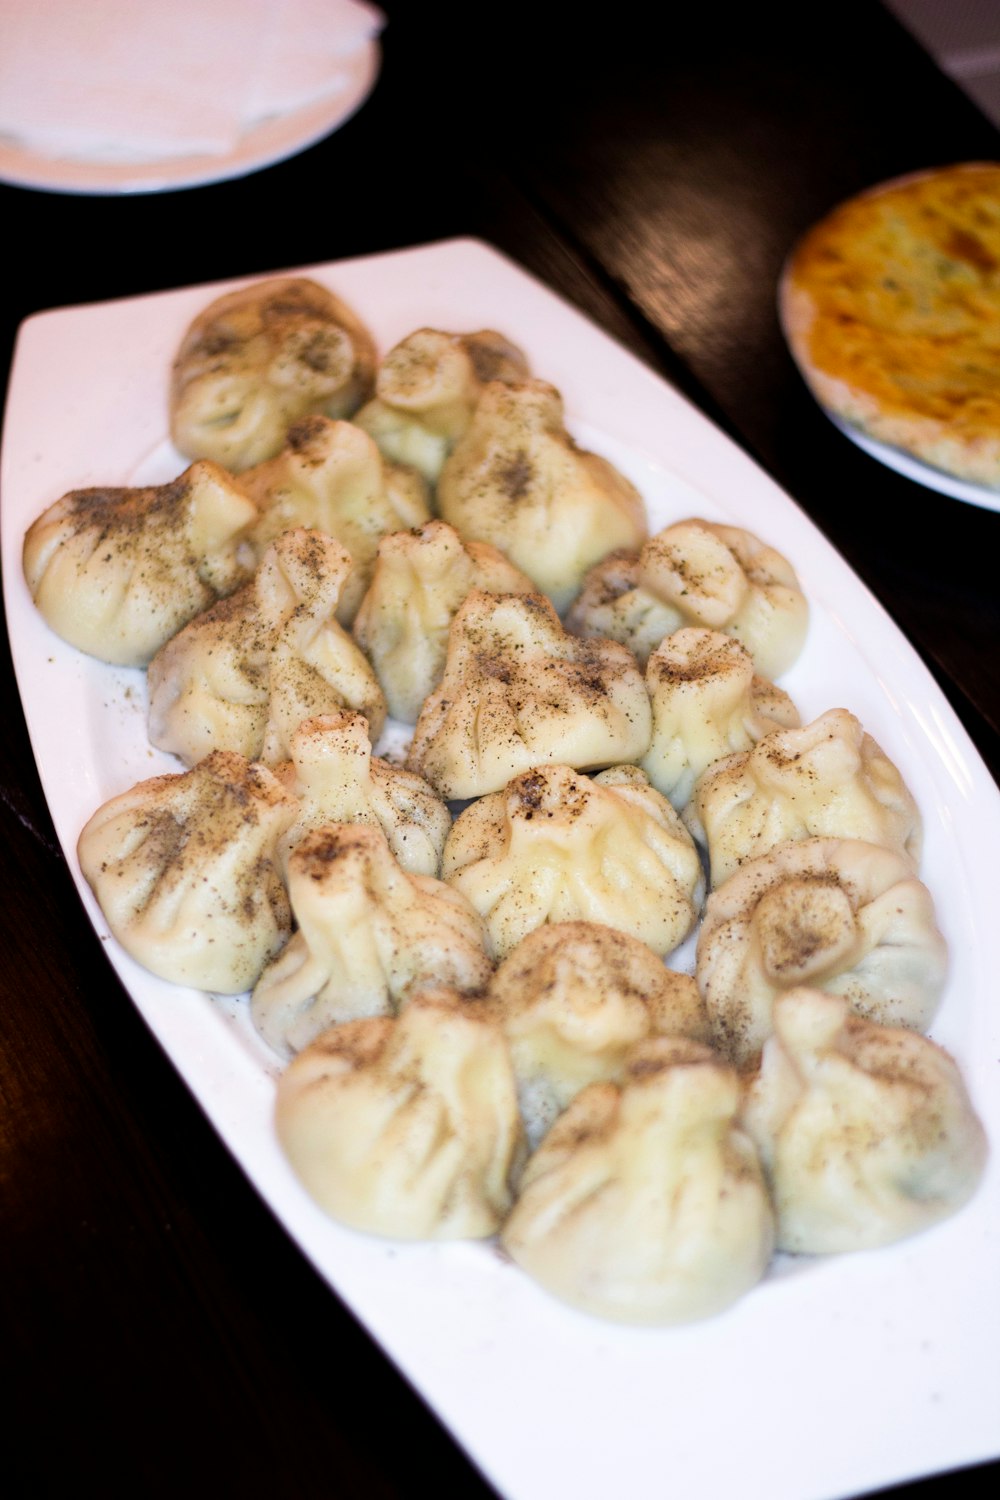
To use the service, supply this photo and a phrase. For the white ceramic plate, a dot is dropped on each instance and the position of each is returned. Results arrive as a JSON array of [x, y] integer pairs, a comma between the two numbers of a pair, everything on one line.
[[262, 145], [830, 1378], [919, 472]]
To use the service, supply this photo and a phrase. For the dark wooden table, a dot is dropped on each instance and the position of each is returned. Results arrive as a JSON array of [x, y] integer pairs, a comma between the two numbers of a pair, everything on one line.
[[161, 1333]]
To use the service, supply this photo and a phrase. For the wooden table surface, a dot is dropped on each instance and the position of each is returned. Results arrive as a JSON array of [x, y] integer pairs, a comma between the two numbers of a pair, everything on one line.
[[162, 1332]]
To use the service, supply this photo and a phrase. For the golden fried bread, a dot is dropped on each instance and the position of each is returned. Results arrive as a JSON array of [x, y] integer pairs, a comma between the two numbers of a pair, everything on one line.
[[891, 306]]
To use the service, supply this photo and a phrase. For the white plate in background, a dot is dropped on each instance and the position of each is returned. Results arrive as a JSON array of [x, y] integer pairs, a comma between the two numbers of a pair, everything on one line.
[[832, 1377], [917, 470], [262, 145]]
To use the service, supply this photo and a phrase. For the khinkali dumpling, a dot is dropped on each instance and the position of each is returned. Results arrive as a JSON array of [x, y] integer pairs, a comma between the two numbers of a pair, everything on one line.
[[256, 360], [866, 1132], [369, 936], [573, 998], [828, 778], [336, 779], [117, 572], [426, 390], [420, 580], [517, 480], [705, 574], [838, 915], [184, 869], [406, 1128], [331, 477], [612, 604], [518, 691], [645, 1203], [707, 702], [555, 846], [245, 674]]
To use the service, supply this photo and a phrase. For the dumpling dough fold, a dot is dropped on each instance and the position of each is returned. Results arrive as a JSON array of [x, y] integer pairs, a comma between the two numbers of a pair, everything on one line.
[[185, 870], [555, 846], [245, 674], [420, 580], [257, 359], [336, 779], [517, 480], [611, 604], [427, 388], [117, 572], [703, 574], [866, 1132], [330, 477], [827, 779], [573, 998], [839, 915], [707, 702], [645, 1203], [406, 1128], [369, 936], [518, 691]]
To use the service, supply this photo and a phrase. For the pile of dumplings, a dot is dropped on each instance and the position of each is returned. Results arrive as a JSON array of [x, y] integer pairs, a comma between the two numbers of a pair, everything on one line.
[[460, 960]]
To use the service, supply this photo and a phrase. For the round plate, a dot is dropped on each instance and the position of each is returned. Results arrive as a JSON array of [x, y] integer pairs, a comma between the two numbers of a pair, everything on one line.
[[920, 473], [902, 461], [272, 141]]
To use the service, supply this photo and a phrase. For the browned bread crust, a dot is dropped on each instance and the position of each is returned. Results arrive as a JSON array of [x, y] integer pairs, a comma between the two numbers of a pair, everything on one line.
[[891, 307]]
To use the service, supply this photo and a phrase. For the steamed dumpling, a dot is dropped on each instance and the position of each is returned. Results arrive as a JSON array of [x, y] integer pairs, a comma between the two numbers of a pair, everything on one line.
[[866, 1132], [517, 480], [708, 575], [331, 477], [336, 779], [369, 936], [246, 673], [256, 360], [707, 702], [421, 578], [518, 691], [555, 846], [839, 915], [573, 998], [117, 572], [829, 778], [185, 871], [406, 1128], [612, 604], [426, 390], [645, 1203]]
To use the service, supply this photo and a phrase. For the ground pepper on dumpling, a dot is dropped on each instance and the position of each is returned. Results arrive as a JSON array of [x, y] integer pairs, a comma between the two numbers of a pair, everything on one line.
[[185, 870], [707, 703], [117, 572], [257, 359], [825, 779], [406, 1127], [370, 936], [419, 581], [518, 691], [427, 388], [699, 573], [646, 1202], [245, 674], [839, 915], [866, 1132], [330, 477], [336, 779], [573, 998], [555, 846], [518, 480]]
